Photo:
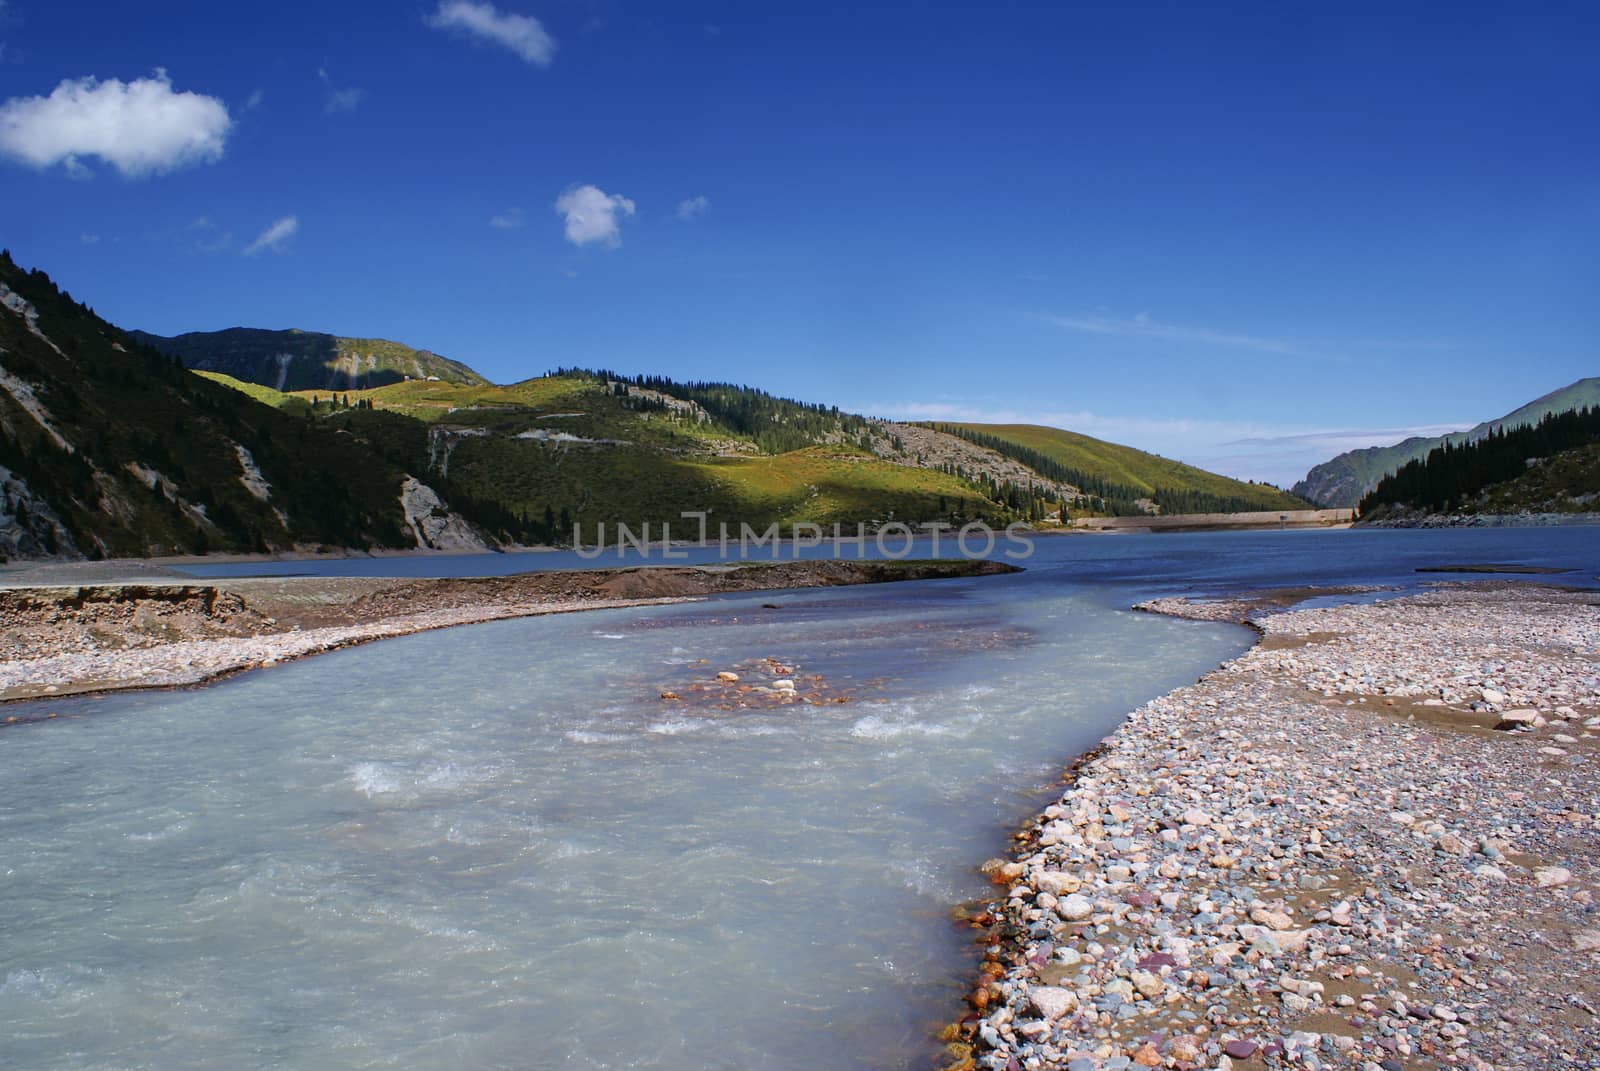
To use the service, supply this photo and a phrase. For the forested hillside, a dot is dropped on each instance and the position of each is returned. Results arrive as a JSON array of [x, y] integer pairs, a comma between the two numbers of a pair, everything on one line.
[[108, 447], [1345, 479], [1453, 476]]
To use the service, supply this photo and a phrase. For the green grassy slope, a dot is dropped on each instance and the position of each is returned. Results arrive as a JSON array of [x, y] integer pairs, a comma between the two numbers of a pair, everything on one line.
[[569, 446], [296, 360], [1135, 471], [277, 399]]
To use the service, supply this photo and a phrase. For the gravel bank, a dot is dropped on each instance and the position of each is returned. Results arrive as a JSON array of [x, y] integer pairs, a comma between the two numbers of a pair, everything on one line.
[[1483, 520], [88, 637], [1323, 855]]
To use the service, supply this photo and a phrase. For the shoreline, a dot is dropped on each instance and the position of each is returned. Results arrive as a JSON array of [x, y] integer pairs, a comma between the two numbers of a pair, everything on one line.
[[79, 639], [1371, 841]]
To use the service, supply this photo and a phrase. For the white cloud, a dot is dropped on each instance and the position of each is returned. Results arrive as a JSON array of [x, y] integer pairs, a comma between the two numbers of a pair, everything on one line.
[[338, 100], [253, 101], [140, 128], [591, 215], [89, 239], [509, 220], [276, 237], [522, 34], [694, 207]]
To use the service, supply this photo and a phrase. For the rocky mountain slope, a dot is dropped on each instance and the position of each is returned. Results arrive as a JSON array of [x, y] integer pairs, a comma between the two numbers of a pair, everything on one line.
[[109, 448], [307, 360], [1345, 479]]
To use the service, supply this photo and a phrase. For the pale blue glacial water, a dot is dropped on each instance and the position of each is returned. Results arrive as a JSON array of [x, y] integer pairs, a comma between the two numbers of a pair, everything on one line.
[[497, 847]]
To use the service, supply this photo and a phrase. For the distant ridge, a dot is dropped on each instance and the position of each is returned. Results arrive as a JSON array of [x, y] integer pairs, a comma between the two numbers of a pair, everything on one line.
[[1345, 479], [307, 360], [1121, 479], [117, 443]]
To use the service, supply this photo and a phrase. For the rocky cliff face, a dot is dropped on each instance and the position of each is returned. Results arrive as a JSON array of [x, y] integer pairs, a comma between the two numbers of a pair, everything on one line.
[[432, 522], [29, 528]]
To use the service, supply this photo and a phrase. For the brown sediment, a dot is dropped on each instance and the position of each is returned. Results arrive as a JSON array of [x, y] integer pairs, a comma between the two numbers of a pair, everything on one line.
[[74, 639]]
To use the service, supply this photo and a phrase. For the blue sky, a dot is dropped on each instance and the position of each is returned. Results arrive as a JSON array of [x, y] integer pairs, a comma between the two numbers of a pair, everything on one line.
[[1249, 238]]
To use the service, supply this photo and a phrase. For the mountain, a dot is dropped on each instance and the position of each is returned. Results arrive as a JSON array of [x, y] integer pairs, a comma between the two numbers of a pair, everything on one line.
[[109, 445], [1566, 482], [307, 360], [109, 448], [1543, 467], [1345, 479], [587, 447], [1121, 479]]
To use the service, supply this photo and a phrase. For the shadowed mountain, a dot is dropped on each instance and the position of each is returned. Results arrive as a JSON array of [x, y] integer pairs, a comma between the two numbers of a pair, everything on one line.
[[110, 448], [307, 360]]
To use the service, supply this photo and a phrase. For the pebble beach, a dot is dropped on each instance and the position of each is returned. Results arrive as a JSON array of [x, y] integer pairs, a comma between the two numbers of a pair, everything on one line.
[[1370, 842]]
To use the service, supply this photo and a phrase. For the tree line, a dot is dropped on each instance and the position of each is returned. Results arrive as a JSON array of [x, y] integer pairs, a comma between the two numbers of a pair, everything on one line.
[[777, 425], [1454, 473]]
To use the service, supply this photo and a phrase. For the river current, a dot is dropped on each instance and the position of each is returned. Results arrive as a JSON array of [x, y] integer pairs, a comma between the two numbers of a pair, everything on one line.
[[498, 846]]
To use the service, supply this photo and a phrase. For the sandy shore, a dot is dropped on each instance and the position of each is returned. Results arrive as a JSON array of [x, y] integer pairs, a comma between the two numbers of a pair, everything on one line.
[[1370, 842], [105, 634]]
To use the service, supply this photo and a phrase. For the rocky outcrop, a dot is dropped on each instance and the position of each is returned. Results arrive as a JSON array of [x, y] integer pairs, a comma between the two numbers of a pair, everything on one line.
[[912, 444], [435, 527], [29, 528]]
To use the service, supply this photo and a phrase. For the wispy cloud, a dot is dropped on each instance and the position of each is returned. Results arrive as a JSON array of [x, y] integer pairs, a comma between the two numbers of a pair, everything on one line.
[[521, 34], [140, 128], [276, 237], [592, 215], [337, 100], [1340, 440], [209, 238], [89, 239], [509, 220], [253, 101], [1142, 326], [694, 207]]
